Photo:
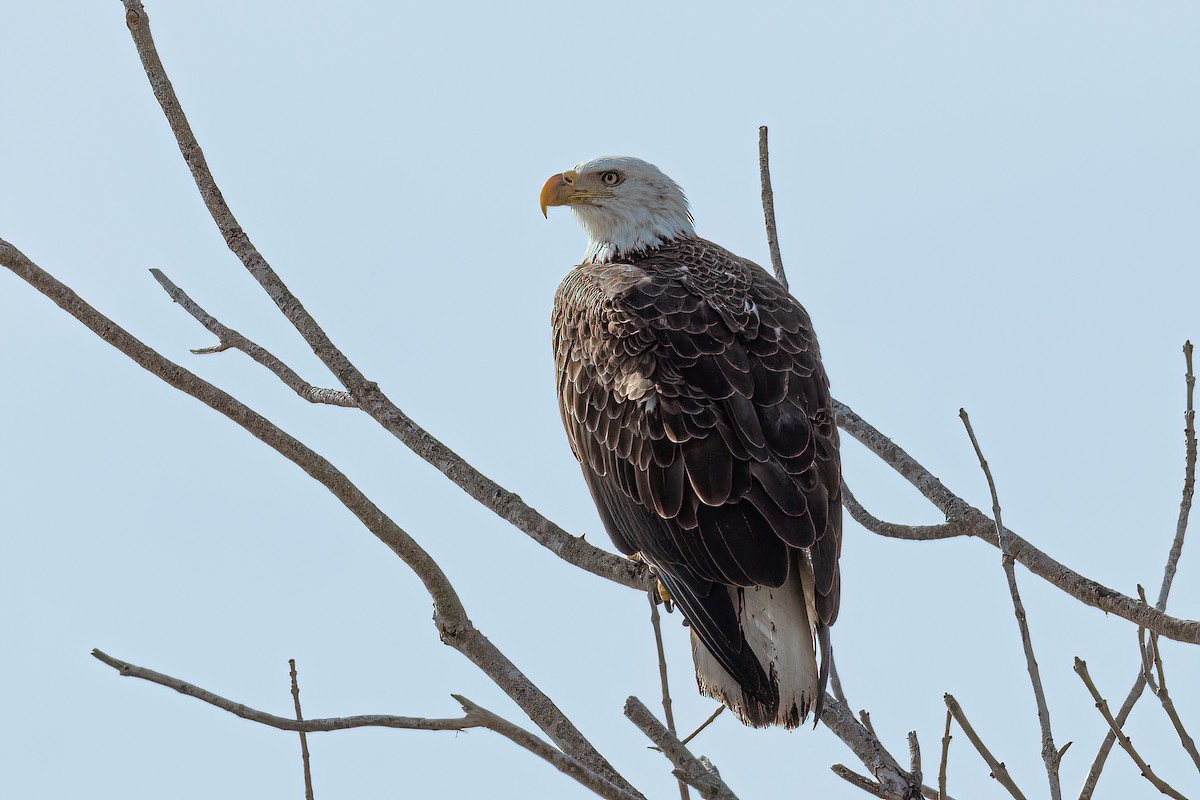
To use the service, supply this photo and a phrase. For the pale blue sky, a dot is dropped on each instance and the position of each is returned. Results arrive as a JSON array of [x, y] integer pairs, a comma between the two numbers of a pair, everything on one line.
[[990, 205]]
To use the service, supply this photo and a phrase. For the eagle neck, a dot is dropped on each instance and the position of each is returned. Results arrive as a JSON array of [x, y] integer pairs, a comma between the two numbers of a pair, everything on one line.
[[599, 252], [613, 235]]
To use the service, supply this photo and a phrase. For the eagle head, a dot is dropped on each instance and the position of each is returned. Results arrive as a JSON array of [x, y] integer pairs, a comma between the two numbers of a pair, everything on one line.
[[624, 204]]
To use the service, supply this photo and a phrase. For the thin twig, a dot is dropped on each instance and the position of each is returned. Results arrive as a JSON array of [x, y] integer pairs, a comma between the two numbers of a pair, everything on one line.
[[308, 787], [366, 394], [853, 778], [768, 205], [1189, 475], [1122, 739], [1049, 751], [711, 718], [284, 723], [998, 770], [1173, 555], [976, 523], [698, 774], [555, 757], [895, 530], [232, 340], [475, 717], [1164, 697], [865, 717], [656, 624], [946, 737]]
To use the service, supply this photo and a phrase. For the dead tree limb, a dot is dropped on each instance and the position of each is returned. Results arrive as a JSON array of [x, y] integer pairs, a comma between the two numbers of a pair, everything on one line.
[[366, 394], [1122, 739], [308, 786], [286, 723], [697, 773], [976, 523], [555, 757], [668, 714], [997, 768], [229, 339], [475, 717], [945, 762], [768, 205], [1049, 751], [1173, 555], [1158, 686], [454, 626]]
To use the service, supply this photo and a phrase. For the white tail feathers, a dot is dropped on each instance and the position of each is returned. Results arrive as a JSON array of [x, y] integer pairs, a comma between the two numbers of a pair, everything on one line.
[[780, 627]]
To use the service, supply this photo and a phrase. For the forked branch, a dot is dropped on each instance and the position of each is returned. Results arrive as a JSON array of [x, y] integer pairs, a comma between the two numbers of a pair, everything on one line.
[[1168, 579], [695, 772], [1122, 739], [454, 626], [366, 394], [129, 670], [997, 768]]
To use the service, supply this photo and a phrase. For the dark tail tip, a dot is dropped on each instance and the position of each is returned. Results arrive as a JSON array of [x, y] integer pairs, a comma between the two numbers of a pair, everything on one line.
[[823, 676]]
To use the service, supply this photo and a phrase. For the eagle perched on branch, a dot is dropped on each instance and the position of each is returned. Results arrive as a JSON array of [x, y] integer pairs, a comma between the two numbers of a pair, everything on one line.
[[693, 395]]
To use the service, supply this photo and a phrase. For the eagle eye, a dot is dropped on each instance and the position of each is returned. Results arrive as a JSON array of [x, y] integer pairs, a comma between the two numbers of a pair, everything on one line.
[[610, 177]]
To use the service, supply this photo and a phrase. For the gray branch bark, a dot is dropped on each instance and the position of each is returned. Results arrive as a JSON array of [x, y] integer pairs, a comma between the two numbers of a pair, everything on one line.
[[454, 626], [286, 723], [1049, 751], [1122, 739], [975, 523], [698, 774], [1173, 555], [366, 394]]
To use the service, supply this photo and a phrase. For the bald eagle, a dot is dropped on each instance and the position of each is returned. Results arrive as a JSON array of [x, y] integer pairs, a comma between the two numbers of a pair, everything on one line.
[[694, 398]]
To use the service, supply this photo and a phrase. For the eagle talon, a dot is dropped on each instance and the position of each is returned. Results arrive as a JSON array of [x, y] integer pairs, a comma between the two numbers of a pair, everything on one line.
[[665, 595]]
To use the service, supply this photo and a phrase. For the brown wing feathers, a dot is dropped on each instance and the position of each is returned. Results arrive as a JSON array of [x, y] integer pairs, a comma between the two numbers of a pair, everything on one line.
[[692, 392]]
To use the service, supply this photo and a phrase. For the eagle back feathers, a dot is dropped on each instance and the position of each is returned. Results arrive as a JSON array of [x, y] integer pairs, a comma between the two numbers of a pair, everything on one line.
[[692, 392]]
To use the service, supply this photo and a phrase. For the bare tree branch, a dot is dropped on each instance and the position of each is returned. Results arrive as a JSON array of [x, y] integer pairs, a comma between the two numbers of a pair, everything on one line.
[[914, 756], [366, 394], [982, 527], [1122, 739], [285, 723], [866, 746], [230, 339], [893, 530], [695, 772], [656, 624], [476, 717], [946, 737], [454, 626], [1159, 688], [1049, 751], [711, 718], [1189, 477], [998, 770], [559, 760], [768, 205], [854, 779], [308, 787], [1173, 555]]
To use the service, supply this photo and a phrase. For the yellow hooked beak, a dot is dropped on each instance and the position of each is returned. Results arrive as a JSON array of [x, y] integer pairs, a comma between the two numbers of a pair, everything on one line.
[[558, 191]]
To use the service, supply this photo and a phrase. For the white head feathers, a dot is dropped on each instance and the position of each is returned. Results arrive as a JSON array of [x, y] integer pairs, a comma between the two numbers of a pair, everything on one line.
[[624, 204]]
